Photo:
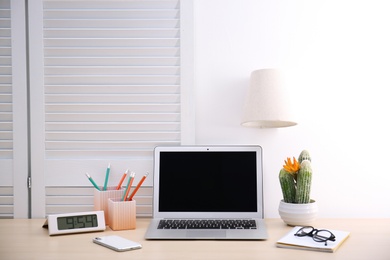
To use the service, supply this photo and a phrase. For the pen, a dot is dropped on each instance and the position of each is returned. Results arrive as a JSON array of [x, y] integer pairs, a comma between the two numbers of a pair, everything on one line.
[[107, 174], [92, 181], [122, 179], [128, 186], [138, 185]]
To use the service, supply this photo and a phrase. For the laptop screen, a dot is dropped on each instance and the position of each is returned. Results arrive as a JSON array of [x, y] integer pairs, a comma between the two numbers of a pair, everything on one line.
[[208, 180]]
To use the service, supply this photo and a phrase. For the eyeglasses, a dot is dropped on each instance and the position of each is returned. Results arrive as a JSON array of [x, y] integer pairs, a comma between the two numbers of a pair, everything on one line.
[[318, 235]]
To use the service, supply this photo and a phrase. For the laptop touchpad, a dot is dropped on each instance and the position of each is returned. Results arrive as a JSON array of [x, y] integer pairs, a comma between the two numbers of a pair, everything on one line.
[[206, 233]]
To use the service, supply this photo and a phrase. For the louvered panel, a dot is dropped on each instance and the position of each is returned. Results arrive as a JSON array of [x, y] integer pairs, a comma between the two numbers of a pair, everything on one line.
[[5, 98], [113, 136], [5, 61], [85, 191], [112, 23], [5, 41], [112, 61], [117, 117], [161, 4], [5, 71], [76, 199], [142, 210], [109, 89], [5, 129], [4, 50], [112, 52], [5, 107], [4, 21], [103, 42], [112, 33], [4, 9], [5, 29], [4, 152], [105, 13], [108, 154], [117, 79], [119, 126], [4, 89], [6, 145], [69, 191], [5, 79], [6, 211], [61, 209], [105, 145], [107, 70], [6, 202], [6, 110], [81, 200], [69, 200], [5, 126], [109, 108], [113, 98]]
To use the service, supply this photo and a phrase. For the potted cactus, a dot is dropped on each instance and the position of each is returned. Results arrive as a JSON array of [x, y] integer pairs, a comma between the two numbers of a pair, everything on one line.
[[297, 208]]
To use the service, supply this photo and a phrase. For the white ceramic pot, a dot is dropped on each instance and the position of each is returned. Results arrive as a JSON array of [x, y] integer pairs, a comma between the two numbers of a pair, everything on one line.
[[298, 214]]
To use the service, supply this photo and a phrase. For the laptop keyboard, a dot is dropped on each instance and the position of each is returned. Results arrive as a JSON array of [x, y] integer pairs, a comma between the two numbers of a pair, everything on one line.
[[207, 224]]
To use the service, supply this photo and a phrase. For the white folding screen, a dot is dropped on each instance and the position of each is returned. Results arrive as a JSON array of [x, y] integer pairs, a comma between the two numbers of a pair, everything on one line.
[[6, 116], [109, 81], [13, 110], [112, 78]]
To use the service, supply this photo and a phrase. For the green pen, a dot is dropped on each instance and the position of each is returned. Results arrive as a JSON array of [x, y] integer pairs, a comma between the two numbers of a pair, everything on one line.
[[92, 181], [107, 174]]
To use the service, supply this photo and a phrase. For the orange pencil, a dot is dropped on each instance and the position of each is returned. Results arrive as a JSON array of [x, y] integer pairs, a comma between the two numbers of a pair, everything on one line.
[[138, 186], [121, 181]]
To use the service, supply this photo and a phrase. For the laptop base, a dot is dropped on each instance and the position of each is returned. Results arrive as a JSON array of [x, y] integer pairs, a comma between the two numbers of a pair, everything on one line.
[[153, 233]]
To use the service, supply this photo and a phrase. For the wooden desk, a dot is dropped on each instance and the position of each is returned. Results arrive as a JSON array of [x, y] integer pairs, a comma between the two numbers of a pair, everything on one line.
[[26, 239]]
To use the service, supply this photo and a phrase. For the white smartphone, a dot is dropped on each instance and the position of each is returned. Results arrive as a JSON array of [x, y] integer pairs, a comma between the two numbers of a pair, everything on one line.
[[117, 243]]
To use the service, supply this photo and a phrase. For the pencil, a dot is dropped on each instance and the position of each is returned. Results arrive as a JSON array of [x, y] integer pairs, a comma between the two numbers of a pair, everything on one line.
[[128, 186], [138, 186], [122, 179], [131, 183], [92, 181], [107, 175]]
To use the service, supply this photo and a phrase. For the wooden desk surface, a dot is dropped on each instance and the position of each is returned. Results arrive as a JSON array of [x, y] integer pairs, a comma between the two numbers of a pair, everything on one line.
[[26, 239]]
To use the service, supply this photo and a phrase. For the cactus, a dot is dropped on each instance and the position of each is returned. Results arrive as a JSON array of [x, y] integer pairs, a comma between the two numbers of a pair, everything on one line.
[[295, 179], [303, 183], [304, 156], [288, 186]]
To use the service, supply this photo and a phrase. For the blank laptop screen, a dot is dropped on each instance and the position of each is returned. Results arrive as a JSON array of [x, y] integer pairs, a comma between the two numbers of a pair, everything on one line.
[[208, 181]]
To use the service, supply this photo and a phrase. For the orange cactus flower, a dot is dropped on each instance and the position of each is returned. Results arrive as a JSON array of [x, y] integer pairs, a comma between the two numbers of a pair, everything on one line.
[[291, 167]]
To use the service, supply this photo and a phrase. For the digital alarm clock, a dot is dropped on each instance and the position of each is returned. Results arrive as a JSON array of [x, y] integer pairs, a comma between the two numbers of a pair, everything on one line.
[[78, 222]]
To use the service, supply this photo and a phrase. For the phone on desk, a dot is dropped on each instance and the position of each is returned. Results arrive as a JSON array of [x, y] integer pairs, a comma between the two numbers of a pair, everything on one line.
[[117, 243]]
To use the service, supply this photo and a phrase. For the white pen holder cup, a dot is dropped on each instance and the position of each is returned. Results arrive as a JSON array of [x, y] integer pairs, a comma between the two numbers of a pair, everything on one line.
[[101, 199], [122, 214]]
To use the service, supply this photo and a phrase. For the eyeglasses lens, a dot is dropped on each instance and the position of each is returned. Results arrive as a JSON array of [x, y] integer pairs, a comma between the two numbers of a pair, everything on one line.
[[322, 236], [305, 231]]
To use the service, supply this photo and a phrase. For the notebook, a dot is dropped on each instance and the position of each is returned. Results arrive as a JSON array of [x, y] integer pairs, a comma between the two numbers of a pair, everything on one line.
[[207, 192]]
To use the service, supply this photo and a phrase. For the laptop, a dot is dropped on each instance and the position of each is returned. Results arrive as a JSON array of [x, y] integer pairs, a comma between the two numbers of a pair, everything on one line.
[[207, 192]]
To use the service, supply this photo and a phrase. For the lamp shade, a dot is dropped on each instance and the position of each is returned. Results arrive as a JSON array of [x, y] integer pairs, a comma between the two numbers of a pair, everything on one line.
[[267, 102]]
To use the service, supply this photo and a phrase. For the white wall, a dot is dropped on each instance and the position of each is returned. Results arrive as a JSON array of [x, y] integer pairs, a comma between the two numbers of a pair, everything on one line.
[[339, 53]]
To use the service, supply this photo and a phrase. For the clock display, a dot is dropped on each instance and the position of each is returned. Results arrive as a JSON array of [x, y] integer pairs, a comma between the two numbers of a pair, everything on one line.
[[75, 222]]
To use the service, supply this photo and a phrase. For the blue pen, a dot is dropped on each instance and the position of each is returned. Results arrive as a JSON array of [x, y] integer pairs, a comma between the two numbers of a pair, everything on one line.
[[107, 174]]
